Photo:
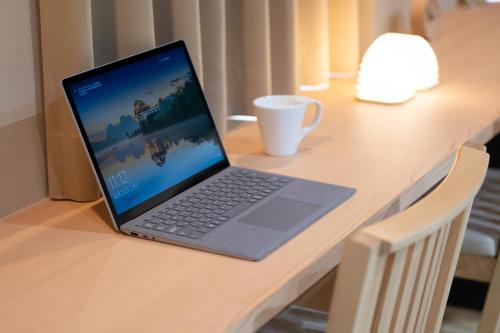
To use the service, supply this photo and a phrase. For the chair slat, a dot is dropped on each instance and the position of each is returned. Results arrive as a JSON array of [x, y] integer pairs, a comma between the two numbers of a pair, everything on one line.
[[389, 291], [440, 247], [448, 264], [429, 280], [359, 291], [406, 288], [423, 270]]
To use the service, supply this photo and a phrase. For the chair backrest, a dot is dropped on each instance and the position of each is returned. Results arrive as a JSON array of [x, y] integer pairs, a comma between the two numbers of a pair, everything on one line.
[[395, 275]]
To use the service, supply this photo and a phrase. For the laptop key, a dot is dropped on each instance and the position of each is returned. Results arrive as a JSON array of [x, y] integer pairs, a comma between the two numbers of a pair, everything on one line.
[[160, 227], [204, 229], [256, 175], [186, 231], [271, 179], [237, 209], [195, 235], [205, 220], [173, 229], [149, 225]]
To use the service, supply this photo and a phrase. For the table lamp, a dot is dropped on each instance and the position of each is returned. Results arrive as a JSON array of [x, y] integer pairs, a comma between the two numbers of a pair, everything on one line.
[[395, 67]]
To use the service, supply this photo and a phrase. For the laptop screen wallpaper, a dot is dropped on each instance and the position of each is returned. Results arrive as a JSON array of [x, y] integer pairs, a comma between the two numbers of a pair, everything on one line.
[[148, 127]]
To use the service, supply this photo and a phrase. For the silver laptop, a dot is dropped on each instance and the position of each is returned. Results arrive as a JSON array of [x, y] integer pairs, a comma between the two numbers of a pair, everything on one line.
[[162, 168]]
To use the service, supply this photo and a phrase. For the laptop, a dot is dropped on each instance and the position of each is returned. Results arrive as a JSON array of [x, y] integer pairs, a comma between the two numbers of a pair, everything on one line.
[[162, 168]]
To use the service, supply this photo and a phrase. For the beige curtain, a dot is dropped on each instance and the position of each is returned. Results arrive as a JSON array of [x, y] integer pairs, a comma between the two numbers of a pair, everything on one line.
[[241, 49], [66, 48]]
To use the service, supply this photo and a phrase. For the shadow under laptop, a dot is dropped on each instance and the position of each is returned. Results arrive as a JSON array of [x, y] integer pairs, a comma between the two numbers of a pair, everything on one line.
[[90, 220], [66, 214]]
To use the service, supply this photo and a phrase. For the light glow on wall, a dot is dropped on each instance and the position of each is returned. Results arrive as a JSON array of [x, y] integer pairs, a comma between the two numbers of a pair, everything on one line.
[[395, 67], [321, 86]]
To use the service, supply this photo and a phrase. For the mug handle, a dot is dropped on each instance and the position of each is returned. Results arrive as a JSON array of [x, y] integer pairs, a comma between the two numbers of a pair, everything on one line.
[[317, 117]]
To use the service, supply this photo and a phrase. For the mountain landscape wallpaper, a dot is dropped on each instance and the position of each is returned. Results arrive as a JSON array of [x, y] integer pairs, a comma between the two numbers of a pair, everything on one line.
[[148, 127]]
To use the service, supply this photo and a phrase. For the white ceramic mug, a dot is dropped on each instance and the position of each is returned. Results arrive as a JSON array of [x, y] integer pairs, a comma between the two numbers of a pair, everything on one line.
[[280, 120]]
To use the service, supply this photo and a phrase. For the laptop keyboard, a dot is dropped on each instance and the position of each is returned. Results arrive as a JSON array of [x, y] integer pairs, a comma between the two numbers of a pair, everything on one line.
[[212, 205]]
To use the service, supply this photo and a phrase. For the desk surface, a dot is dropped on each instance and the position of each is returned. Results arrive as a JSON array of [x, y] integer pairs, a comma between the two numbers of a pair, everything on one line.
[[63, 268]]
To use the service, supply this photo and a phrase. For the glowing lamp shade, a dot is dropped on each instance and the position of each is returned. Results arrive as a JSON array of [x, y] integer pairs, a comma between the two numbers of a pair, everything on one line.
[[395, 67]]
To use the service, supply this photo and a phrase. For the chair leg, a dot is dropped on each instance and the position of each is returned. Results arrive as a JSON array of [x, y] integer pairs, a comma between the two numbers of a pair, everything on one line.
[[490, 319]]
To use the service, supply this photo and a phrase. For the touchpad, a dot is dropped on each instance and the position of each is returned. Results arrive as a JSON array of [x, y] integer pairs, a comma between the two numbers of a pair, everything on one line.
[[280, 214]]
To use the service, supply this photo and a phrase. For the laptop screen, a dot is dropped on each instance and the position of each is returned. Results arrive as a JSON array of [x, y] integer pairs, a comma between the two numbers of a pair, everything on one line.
[[146, 125]]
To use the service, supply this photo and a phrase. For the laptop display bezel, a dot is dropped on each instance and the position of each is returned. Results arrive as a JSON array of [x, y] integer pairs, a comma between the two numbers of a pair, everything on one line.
[[171, 192]]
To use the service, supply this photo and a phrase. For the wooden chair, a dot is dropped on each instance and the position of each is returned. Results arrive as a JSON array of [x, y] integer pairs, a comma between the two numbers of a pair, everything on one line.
[[395, 275]]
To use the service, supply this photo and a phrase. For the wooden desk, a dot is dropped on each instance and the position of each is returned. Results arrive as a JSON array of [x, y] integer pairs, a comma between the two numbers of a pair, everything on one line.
[[63, 268]]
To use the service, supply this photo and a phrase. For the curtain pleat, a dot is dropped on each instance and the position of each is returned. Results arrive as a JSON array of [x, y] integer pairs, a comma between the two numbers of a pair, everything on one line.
[[257, 46], [213, 27], [284, 58], [103, 31], [121, 28], [313, 44], [235, 58], [376, 17], [185, 16], [241, 49], [134, 26], [66, 49], [344, 36], [366, 13]]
